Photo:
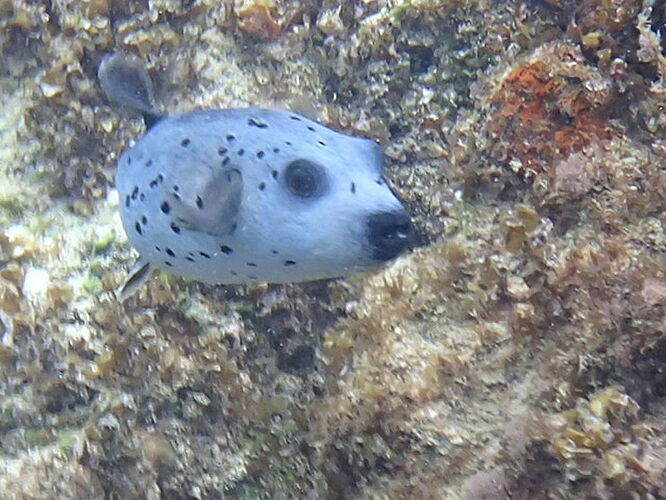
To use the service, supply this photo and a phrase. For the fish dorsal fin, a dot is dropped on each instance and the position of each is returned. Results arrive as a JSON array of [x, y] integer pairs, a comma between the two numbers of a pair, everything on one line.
[[125, 81], [137, 276], [208, 201]]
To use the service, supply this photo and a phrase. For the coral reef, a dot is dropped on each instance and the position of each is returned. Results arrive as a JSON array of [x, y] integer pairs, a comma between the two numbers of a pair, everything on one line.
[[519, 353]]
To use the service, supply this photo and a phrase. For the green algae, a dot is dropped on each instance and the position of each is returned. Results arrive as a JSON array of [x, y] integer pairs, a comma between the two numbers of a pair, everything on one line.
[[105, 242], [398, 13]]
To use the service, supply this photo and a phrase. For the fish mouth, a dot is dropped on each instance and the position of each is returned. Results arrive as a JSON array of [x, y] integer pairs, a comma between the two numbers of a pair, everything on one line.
[[389, 233]]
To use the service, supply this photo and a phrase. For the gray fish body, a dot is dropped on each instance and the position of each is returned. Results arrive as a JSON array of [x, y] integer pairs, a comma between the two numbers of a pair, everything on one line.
[[241, 195]]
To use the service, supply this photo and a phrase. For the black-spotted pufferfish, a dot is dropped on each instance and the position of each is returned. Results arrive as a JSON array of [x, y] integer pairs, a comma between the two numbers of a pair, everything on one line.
[[241, 195]]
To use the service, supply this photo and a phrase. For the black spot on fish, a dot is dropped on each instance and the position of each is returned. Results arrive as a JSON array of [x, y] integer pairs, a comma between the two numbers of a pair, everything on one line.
[[251, 264], [295, 118], [262, 186], [149, 163], [135, 192], [199, 202], [274, 252], [166, 262], [226, 250], [170, 252], [311, 128], [231, 137], [144, 220], [241, 152], [190, 259], [222, 151], [254, 122], [185, 143], [288, 263], [142, 197], [127, 201], [260, 154], [275, 174], [353, 188], [276, 150], [137, 226], [225, 162], [321, 143], [204, 255], [165, 207], [175, 228]]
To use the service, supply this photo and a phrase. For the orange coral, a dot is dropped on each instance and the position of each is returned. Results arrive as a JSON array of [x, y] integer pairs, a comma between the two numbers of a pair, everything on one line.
[[545, 112]]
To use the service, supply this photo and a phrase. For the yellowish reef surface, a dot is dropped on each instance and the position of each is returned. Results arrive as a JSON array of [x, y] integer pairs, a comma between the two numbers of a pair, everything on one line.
[[520, 353]]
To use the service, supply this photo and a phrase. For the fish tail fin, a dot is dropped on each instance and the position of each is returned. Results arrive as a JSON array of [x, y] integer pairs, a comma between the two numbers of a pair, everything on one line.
[[125, 81]]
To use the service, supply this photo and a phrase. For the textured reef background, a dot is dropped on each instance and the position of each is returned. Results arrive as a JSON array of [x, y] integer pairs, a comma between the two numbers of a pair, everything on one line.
[[520, 353]]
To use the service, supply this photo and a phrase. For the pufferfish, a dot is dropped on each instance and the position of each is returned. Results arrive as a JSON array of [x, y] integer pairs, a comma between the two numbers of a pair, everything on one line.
[[233, 196]]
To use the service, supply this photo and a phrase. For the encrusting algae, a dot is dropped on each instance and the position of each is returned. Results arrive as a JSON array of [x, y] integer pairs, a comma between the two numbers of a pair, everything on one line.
[[519, 353]]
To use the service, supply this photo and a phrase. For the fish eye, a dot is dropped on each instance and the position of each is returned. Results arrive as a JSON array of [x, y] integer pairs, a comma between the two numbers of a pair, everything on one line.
[[304, 178]]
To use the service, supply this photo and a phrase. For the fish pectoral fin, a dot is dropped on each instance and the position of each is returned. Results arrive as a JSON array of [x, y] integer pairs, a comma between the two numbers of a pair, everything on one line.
[[209, 201], [136, 277]]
